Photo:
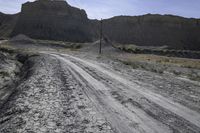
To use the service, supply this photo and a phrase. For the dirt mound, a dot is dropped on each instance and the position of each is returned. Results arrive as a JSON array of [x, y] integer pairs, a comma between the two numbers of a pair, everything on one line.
[[94, 47], [22, 39]]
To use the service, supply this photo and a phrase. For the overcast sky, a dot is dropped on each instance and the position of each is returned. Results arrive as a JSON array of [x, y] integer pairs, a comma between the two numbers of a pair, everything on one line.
[[97, 9]]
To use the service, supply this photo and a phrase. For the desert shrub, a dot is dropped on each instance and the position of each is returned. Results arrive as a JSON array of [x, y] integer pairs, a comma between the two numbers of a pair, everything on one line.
[[76, 46], [176, 72], [166, 60], [7, 50], [4, 74]]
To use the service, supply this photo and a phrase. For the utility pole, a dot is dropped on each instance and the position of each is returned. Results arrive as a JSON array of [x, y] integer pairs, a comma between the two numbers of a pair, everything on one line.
[[101, 26]]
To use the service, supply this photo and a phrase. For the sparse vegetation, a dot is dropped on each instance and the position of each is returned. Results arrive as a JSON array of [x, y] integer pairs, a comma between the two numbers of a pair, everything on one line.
[[194, 78], [4, 74], [6, 47], [179, 62], [161, 64], [11, 48], [162, 50], [60, 44]]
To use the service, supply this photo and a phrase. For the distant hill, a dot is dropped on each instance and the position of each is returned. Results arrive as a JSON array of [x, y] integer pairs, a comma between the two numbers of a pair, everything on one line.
[[57, 20], [155, 30]]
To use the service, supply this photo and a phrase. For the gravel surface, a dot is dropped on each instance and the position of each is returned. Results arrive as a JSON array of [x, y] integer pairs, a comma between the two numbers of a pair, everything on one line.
[[73, 93], [64, 93]]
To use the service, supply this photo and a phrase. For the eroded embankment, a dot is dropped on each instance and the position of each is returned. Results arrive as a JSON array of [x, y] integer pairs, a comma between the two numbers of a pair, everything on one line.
[[48, 99], [12, 71]]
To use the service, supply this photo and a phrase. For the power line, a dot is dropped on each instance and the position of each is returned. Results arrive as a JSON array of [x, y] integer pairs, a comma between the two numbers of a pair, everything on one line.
[[101, 26]]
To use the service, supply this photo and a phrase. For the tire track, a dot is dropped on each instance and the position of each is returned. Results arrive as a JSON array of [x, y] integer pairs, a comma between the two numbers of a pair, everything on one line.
[[183, 112], [180, 110], [133, 121], [132, 101]]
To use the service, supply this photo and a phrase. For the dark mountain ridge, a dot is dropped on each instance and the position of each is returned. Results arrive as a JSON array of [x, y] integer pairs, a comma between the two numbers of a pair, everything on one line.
[[57, 20], [155, 30]]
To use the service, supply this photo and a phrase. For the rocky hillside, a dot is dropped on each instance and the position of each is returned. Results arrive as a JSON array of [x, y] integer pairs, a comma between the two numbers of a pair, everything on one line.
[[56, 20], [155, 30], [7, 23]]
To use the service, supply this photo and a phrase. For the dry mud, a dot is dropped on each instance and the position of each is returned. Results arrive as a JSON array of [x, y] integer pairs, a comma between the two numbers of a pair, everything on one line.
[[64, 93]]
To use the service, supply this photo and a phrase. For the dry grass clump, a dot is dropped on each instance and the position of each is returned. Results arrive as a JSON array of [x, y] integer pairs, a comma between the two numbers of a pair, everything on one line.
[[6, 47], [60, 44], [161, 64], [181, 62], [161, 50]]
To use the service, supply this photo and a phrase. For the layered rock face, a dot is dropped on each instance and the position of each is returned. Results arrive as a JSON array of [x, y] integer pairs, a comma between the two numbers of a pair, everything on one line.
[[155, 30], [51, 19], [57, 20], [7, 23]]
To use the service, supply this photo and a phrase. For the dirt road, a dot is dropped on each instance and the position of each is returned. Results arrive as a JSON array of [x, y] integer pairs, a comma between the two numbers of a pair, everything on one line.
[[64, 93]]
